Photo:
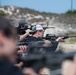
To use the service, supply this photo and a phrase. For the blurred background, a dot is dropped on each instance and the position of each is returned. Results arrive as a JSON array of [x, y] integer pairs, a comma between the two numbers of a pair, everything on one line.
[[58, 15]]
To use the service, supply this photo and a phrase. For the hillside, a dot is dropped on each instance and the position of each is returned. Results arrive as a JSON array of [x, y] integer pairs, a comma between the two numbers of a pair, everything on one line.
[[61, 22]]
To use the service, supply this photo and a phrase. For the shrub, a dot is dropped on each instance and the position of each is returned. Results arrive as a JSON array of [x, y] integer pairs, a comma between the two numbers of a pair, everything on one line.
[[71, 12], [2, 13]]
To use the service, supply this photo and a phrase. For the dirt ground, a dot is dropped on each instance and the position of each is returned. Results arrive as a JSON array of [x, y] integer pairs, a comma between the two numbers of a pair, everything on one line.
[[66, 47]]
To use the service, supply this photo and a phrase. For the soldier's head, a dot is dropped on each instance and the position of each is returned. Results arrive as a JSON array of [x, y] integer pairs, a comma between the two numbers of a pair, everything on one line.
[[38, 31], [7, 37], [23, 24]]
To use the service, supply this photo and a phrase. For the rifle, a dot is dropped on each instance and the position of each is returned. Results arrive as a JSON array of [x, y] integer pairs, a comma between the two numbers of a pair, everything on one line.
[[52, 61], [38, 47], [46, 27], [33, 44], [54, 37]]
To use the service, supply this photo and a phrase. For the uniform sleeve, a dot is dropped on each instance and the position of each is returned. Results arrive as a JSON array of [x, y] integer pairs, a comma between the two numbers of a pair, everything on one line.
[[54, 46]]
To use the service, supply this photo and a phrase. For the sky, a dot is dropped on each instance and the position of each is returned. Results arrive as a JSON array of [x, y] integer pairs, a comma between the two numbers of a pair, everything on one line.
[[54, 6]]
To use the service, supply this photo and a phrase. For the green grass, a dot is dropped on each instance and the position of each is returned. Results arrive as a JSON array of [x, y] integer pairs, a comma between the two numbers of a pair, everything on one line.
[[71, 40], [2, 13]]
